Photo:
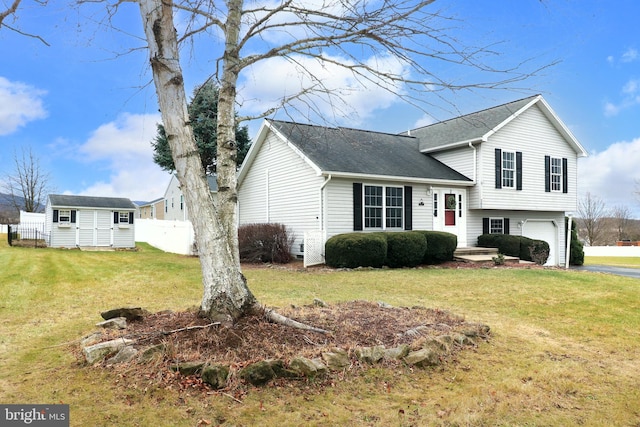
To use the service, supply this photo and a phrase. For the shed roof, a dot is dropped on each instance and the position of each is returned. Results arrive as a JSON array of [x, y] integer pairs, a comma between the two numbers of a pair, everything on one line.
[[353, 151], [68, 201]]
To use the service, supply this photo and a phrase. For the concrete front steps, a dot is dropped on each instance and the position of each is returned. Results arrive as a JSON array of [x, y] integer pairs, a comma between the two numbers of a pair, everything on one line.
[[475, 254]]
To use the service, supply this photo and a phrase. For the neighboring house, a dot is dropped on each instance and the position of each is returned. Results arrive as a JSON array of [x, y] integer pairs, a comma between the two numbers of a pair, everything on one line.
[[509, 169], [84, 221], [175, 208], [152, 210]]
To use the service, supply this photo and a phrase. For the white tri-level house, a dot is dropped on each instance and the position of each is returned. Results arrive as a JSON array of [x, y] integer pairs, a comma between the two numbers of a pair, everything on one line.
[[508, 169]]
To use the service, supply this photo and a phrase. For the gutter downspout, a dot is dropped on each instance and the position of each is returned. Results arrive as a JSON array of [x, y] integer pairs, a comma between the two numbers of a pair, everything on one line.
[[475, 161], [321, 214], [475, 169], [568, 235]]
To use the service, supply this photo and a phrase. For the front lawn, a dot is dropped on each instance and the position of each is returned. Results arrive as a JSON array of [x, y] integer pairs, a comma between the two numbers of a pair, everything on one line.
[[563, 349], [621, 261]]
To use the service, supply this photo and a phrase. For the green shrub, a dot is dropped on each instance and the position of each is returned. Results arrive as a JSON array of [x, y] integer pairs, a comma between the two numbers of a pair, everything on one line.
[[525, 248], [506, 243], [539, 251], [266, 242], [440, 246], [353, 250], [405, 249], [577, 249]]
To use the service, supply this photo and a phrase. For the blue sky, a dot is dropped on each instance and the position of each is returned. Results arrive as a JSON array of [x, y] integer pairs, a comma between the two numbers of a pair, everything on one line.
[[87, 109]]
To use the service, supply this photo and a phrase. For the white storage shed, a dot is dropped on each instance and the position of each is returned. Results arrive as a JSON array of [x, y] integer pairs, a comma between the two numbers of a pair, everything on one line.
[[85, 221]]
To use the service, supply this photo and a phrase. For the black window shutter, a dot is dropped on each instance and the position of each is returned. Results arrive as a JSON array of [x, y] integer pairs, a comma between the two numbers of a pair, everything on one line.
[[130, 217], [485, 225], [357, 206], [408, 207], [547, 174], [73, 217], [498, 168], [505, 226], [55, 215], [565, 176], [116, 217], [518, 170]]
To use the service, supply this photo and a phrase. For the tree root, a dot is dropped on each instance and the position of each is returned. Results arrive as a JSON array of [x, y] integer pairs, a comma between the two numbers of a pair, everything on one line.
[[279, 319]]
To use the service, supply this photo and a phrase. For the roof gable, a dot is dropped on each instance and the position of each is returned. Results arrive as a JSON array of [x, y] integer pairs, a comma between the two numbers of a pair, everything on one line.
[[68, 201], [359, 152], [478, 126]]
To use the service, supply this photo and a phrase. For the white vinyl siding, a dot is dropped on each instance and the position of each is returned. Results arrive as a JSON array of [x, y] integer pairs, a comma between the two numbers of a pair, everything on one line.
[[459, 159], [532, 134], [172, 211], [282, 188]]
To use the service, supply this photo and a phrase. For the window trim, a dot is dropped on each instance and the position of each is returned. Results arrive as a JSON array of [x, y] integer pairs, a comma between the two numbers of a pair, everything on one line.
[[64, 213], [511, 183], [123, 218], [555, 186], [384, 208], [491, 228]]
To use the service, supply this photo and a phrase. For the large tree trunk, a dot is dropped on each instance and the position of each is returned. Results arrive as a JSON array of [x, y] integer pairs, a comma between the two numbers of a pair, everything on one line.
[[227, 153], [226, 295]]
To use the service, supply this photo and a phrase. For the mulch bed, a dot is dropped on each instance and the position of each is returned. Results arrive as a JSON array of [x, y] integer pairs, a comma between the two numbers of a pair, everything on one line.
[[253, 338]]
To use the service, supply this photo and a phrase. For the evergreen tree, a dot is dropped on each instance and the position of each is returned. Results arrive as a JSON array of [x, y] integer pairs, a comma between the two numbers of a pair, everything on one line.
[[203, 112]]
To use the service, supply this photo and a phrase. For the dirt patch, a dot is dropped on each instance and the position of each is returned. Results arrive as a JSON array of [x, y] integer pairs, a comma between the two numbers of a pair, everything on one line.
[[353, 325]]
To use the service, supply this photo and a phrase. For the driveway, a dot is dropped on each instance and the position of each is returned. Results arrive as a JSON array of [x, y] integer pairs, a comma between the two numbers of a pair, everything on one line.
[[620, 271]]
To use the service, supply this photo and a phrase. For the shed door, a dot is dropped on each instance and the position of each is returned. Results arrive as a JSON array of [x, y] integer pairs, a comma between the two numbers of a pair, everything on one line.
[[543, 230], [94, 228], [86, 228], [104, 228]]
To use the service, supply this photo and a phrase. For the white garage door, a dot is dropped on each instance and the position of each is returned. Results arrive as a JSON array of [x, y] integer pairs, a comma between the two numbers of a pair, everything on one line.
[[543, 230]]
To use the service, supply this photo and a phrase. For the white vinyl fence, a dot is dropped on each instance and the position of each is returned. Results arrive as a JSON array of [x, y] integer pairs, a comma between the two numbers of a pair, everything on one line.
[[626, 251], [170, 236]]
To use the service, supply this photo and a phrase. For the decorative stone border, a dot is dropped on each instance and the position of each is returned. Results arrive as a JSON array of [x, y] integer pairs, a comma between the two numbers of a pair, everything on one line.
[[432, 352]]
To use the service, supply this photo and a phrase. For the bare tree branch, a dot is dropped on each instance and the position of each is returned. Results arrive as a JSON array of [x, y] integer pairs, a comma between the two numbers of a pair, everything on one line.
[[592, 212], [28, 184], [11, 11]]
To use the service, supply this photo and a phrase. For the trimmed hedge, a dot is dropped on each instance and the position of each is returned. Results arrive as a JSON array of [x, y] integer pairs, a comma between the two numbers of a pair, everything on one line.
[[518, 246], [577, 249], [505, 243], [393, 249], [440, 246], [353, 250], [405, 249]]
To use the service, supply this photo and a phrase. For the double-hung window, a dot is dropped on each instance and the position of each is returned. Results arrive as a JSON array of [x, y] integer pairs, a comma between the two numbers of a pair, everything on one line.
[[383, 205], [372, 206], [508, 169], [556, 174], [394, 207], [496, 225], [64, 217], [123, 218]]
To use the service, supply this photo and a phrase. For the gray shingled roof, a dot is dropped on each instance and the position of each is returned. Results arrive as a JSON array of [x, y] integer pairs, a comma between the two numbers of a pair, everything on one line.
[[66, 201], [352, 151], [469, 127]]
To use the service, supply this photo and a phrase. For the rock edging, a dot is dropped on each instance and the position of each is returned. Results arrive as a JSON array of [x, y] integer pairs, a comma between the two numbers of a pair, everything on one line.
[[424, 353]]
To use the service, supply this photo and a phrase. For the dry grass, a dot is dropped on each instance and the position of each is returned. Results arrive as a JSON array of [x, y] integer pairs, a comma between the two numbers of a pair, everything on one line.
[[563, 349]]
